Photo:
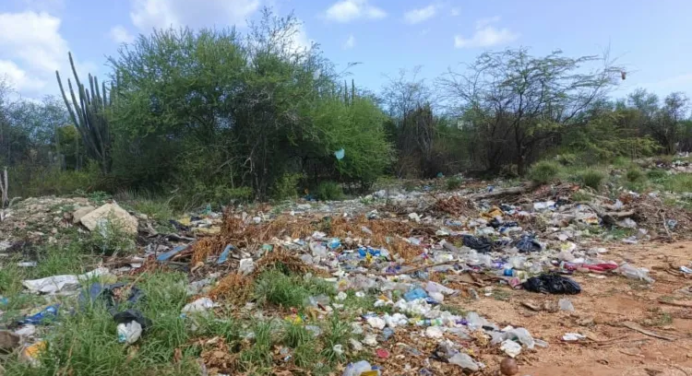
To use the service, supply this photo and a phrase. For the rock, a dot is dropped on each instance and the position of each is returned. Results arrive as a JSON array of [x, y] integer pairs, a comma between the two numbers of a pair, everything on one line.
[[81, 212], [107, 212], [8, 341], [509, 367]]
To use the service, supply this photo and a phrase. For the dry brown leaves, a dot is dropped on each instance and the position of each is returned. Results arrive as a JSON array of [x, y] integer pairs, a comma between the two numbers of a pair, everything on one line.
[[454, 205], [234, 287], [217, 357]]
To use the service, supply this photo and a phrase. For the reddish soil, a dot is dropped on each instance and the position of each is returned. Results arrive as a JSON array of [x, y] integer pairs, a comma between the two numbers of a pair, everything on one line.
[[606, 302]]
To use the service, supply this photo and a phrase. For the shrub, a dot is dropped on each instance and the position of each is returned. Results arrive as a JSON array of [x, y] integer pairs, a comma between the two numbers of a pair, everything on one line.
[[635, 175], [544, 172], [593, 179], [656, 174], [286, 187], [567, 159], [329, 190], [453, 183]]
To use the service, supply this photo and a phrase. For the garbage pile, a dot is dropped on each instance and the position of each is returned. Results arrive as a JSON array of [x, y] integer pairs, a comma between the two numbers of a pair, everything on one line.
[[411, 258]]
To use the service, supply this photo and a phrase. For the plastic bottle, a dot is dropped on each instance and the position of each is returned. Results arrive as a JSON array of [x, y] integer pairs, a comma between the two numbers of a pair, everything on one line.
[[630, 271], [464, 361]]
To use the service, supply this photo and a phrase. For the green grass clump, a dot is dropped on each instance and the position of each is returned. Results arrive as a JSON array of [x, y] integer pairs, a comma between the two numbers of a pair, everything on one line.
[[453, 183], [656, 174], [280, 289], [635, 175], [592, 178], [544, 172], [677, 183], [329, 191]]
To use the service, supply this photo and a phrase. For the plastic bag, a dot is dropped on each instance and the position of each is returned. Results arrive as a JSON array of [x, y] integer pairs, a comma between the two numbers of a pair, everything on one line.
[[528, 243], [480, 244], [129, 332], [632, 272], [552, 284]]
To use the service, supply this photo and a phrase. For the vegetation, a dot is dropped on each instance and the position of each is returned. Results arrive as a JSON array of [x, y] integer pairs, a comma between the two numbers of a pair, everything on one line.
[[215, 117]]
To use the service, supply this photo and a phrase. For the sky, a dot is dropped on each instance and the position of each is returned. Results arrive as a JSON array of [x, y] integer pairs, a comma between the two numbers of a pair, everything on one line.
[[651, 39]]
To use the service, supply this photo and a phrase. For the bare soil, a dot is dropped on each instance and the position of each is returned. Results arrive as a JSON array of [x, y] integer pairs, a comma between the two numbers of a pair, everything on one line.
[[606, 302]]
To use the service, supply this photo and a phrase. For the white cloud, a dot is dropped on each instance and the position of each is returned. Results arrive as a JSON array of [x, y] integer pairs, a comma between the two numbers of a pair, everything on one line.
[[32, 38], [350, 42], [149, 14], [455, 12], [415, 16], [18, 78], [486, 35], [119, 34], [31, 50], [349, 10]]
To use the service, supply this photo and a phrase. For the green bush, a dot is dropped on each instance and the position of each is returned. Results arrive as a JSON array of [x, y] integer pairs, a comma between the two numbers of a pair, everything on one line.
[[657, 174], [567, 159], [286, 187], [453, 183], [544, 172], [329, 190], [635, 175], [592, 179]]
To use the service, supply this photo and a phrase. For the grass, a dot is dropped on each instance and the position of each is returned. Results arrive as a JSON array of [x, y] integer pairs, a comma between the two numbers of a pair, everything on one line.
[[329, 191], [677, 183], [544, 172], [501, 295], [592, 178], [276, 288], [453, 183]]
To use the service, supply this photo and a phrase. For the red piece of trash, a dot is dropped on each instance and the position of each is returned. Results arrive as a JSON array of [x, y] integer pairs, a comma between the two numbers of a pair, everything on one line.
[[382, 353]]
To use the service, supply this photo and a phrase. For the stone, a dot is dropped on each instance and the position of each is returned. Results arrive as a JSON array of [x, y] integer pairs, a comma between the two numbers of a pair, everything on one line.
[[8, 341], [81, 212], [108, 212]]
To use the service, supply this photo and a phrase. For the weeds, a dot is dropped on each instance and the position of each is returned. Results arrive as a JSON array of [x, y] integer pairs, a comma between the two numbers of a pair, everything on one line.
[[544, 172], [329, 191], [593, 179], [453, 183]]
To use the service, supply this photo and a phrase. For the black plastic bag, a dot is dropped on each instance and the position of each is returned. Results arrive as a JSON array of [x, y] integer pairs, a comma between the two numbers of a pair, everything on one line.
[[552, 284], [527, 243], [482, 245]]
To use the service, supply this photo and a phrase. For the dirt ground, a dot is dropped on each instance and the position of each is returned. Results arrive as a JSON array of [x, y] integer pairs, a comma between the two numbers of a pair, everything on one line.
[[605, 304]]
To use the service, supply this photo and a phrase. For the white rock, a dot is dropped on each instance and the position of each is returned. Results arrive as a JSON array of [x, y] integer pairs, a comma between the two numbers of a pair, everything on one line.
[[108, 212], [81, 212]]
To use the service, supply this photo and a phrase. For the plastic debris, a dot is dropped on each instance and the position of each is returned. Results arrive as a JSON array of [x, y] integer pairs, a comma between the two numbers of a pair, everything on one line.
[[565, 305], [570, 337], [199, 305], [552, 284], [416, 293], [44, 316], [464, 361], [510, 348], [632, 272], [58, 283], [224, 255], [479, 244], [246, 266], [129, 332], [361, 368], [376, 322], [168, 255], [528, 243], [339, 154]]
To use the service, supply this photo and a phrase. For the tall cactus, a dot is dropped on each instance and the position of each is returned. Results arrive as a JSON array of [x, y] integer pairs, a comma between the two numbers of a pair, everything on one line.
[[88, 113]]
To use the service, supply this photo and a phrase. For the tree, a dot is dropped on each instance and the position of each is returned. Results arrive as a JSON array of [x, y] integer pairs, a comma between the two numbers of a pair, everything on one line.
[[518, 102]]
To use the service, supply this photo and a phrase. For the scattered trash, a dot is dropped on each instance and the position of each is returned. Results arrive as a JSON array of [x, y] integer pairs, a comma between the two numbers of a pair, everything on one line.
[[573, 337], [224, 255], [339, 154], [631, 272], [552, 284], [565, 305], [129, 333], [199, 305], [58, 283], [361, 368], [246, 266], [480, 244], [510, 348], [45, 315]]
